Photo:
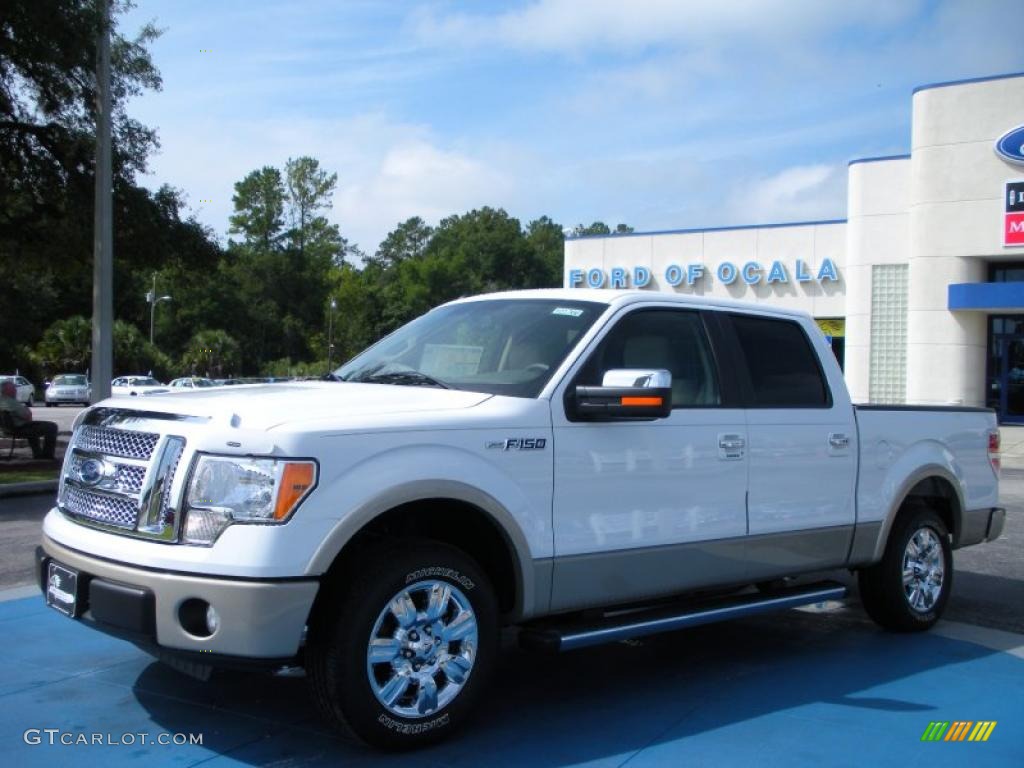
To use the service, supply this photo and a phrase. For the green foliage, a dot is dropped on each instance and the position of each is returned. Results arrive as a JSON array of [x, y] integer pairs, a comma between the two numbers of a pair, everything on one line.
[[66, 346], [211, 353], [259, 208], [260, 303], [600, 228]]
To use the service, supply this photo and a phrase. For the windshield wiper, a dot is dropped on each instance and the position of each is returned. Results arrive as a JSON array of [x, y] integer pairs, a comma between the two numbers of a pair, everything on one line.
[[409, 378]]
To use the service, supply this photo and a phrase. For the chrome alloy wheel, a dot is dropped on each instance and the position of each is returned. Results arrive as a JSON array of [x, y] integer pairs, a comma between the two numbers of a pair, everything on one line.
[[422, 649], [924, 570]]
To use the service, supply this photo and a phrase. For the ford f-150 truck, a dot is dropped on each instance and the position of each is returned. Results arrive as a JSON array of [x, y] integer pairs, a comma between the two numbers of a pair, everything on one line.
[[585, 465]]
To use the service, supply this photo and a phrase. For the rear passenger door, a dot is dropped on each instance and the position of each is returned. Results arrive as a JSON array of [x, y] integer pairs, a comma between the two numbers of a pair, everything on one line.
[[801, 445]]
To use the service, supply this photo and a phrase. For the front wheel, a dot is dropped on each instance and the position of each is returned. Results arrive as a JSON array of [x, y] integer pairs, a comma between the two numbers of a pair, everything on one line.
[[908, 590], [401, 648]]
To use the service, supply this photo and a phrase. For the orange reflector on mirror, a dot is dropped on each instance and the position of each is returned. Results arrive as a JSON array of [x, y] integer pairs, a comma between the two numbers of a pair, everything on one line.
[[295, 481], [641, 401]]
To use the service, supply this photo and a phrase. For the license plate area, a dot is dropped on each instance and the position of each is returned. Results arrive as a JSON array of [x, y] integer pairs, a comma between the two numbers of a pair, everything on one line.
[[62, 588]]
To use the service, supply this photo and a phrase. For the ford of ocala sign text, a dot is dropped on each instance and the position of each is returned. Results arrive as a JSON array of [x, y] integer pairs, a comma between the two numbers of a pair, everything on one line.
[[1010, 146], [727, 273]]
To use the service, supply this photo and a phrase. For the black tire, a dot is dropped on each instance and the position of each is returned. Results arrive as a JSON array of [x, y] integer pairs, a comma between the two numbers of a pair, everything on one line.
[[345, 618], [881, 586], [31, 402], [49, 404]]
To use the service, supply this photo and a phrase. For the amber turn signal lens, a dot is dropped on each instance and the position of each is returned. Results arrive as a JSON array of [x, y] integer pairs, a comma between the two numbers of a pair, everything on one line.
[[296, 479], [641, 401]]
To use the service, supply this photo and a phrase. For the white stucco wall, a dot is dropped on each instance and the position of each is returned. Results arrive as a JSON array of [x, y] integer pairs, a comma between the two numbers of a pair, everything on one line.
[[877, 232], [956, 199]]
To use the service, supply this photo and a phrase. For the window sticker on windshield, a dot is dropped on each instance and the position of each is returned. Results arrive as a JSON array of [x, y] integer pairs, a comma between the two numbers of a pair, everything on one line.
[[450, 360], [567, 311]]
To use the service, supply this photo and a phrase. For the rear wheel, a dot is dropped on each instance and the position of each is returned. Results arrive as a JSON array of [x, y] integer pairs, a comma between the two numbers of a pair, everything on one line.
[[400, 650], [908, 590]]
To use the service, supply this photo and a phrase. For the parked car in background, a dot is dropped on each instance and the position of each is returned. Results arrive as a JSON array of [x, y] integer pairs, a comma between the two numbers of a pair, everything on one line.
[[68, 388], [26, 389], [136, 385], [191, 382], [227, 382]]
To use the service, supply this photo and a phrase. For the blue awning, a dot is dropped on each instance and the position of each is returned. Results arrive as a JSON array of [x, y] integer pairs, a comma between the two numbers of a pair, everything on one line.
[[986, 297]]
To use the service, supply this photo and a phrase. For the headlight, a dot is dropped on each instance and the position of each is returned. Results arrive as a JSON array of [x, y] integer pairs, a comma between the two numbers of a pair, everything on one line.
[[240, 489]]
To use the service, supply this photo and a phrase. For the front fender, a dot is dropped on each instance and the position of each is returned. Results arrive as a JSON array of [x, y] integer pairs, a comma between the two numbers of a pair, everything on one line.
[[401, 475]]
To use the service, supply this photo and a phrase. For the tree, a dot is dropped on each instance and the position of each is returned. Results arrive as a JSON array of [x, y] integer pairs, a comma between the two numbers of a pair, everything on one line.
[[600, 228], [547, 240], [310, 189], [408, 240], [259, 208], [211, 353], [66, 346]]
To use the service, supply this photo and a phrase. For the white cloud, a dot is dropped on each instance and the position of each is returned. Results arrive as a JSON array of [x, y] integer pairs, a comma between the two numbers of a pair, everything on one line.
[[416, 178], [387, 170], [798, 193], [573, 26]]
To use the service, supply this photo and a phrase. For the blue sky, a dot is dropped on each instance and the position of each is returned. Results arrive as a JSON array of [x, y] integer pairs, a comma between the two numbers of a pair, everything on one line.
[[659, 113]]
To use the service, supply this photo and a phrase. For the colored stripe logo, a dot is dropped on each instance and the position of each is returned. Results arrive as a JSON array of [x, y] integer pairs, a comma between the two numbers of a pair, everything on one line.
[[959, 730]]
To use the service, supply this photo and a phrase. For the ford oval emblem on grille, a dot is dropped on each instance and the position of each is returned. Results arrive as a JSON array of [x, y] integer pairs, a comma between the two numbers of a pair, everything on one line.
[[91, 471]]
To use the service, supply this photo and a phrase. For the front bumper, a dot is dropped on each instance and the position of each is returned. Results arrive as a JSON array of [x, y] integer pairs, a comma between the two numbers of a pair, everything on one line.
[[260, 620]]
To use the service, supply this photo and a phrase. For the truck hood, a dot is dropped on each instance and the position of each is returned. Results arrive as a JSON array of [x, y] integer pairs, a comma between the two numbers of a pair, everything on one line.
[[265, 406]]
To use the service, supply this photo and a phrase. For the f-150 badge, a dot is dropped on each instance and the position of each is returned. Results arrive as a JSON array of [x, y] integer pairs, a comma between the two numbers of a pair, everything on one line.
[[519, 444]]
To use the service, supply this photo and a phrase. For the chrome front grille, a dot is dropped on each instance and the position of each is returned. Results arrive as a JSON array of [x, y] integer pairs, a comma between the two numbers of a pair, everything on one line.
[[108, 510], [116, 442], [121, 479]]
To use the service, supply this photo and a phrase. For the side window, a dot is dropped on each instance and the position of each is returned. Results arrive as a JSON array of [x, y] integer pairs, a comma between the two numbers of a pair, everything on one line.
[[784, 370], [671, 339]]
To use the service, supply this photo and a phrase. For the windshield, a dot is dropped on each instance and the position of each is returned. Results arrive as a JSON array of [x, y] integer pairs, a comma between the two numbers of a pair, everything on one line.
[[500, 346], [202, 383], [74, 381]]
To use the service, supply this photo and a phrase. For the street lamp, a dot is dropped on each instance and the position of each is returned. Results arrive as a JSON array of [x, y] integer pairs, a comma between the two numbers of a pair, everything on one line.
[[330, 334], [153, 300]]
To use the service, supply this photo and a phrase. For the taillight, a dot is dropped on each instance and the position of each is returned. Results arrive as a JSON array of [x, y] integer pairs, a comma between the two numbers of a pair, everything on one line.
[[993, 451]]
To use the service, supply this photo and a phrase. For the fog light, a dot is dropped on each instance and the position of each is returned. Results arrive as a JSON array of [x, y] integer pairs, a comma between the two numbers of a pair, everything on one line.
[[212, 619], [197, 617]]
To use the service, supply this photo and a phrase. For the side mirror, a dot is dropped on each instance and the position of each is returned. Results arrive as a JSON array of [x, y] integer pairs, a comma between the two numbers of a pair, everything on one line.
[[626, 394]]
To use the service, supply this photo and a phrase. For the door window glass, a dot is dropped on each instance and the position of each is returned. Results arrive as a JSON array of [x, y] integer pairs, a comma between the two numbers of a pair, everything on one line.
[[660, 339], [784, 370]]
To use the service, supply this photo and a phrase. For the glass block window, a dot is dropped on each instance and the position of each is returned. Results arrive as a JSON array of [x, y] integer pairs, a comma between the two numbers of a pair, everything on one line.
[[887, 381]]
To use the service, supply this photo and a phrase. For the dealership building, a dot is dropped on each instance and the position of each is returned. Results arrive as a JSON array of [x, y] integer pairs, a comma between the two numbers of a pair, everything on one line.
[[920, 287]]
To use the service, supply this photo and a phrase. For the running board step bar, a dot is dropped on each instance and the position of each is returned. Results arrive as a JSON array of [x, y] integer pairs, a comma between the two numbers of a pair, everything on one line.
[[623, 625]]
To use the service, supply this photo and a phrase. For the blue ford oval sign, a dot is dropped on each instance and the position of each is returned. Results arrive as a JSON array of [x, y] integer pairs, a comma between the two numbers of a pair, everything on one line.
[[1010, 146]]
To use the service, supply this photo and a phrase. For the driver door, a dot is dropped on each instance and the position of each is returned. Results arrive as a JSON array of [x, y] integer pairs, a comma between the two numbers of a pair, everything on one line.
[[648, 508]]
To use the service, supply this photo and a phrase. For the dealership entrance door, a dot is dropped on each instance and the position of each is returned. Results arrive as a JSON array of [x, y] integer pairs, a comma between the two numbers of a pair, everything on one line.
[[1005, 380]]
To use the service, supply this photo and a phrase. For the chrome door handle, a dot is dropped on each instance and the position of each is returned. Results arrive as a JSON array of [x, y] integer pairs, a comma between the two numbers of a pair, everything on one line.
[[731, 447], [838, 441]]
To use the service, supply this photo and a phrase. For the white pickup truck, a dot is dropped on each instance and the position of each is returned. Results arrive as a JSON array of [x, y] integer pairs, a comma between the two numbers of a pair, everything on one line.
[[586, 465]]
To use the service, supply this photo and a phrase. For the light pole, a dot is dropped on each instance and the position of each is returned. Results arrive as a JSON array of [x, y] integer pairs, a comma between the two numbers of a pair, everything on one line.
[[330, 334], [153, 300]]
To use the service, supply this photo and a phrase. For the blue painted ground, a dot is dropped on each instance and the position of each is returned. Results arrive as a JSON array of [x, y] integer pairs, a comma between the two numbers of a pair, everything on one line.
[[788, 690]]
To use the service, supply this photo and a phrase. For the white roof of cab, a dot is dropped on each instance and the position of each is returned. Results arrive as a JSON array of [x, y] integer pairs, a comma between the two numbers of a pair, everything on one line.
[[622, 297]]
